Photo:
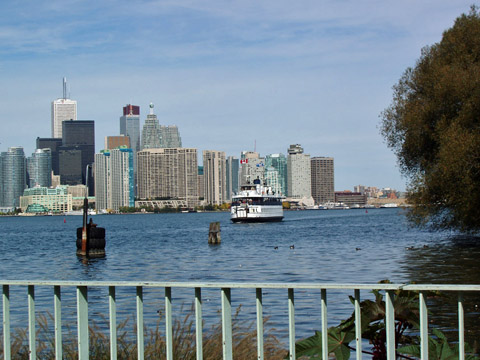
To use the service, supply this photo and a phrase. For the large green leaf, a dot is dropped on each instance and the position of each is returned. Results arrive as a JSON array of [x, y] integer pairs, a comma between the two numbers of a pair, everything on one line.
[[338, 341]]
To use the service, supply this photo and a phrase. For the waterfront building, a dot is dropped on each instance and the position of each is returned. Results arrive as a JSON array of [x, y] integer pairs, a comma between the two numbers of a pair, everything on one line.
[[201, 184], [12, 176], [323, 179], [39, 168], [130, 126], [252, 167], [351, 199], [113, 142], [168, 174], [151, 132], [232, 175], [299, 182], [77, 151], [279, 163], [170, 137], [114, 180], [214, 173], [62, 109], [43, 199], [53, 144]]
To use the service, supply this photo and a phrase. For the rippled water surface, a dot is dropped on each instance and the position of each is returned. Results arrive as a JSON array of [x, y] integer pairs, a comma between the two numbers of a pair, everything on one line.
[[342, 246]]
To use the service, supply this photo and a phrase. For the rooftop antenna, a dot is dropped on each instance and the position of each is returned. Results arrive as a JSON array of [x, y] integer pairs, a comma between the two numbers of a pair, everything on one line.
[[65, 88]]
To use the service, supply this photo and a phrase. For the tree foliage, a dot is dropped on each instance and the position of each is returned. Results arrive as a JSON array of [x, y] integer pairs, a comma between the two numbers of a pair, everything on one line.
[[433, 126]]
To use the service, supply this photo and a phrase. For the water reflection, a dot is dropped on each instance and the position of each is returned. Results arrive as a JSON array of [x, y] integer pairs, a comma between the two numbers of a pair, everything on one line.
[[452, 260]]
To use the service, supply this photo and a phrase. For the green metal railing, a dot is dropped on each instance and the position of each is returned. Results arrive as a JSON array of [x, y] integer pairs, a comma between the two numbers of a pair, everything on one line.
[[226, 305]]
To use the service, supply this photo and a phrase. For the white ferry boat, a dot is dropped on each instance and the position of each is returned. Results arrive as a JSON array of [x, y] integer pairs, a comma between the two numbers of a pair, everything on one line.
[[256, 203]]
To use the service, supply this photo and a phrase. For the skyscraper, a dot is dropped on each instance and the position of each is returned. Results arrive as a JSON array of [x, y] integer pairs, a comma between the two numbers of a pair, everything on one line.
[[39, 168], [170, 136], [214, 174], [114, 182], [323, 184], [232, 176], [299, 173], [113, 142], [12, 176], [130, 125], [53, 144], [278, 174], [62, 109], [151, 133], [168, 173], [78, 138], [252, 167]]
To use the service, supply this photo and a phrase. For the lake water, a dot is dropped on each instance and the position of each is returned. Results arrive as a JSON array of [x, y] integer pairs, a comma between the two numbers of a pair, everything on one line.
[[341, 246]]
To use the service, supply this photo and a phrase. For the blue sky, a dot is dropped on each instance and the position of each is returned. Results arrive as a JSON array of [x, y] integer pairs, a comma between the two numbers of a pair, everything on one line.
[[229, 74]]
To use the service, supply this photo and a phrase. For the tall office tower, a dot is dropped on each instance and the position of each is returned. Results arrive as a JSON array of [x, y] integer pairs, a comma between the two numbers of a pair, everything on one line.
[[323, 184], [113, 142], [214, 174], [168, 173], [279, 163], [272, 179], [62, 109], [39, 168], [53, 144], [299, 183], [170, 136], [232, 170], [130, 125], [252, 167], [12, 176], [151, 134], [78, 140], [114, 181]]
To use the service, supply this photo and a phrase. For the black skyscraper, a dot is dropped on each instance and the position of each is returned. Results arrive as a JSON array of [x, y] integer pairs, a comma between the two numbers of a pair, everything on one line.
[[78, 142], [53, 144]]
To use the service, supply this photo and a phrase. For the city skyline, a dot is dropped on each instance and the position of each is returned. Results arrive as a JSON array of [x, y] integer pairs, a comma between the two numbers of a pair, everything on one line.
[[251, 75]]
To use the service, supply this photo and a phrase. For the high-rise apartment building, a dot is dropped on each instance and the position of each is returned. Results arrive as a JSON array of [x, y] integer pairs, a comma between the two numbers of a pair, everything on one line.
[[130, 126], [39, 168], [214, 174], [232, 170], [323, 179], [299, 180], [114, 180], [151, 133], [252, 167], [12, 176], [168, 174], [276, 172], [62, 109]]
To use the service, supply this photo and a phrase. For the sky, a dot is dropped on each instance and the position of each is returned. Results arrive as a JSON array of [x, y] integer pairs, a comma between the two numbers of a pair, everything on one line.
[[232, 75]]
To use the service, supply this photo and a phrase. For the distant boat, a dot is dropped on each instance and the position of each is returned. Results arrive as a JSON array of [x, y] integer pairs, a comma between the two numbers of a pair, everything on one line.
[[390, 205], [80, 212]]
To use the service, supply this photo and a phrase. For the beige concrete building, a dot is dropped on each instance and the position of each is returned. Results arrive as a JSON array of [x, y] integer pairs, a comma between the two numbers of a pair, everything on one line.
[[168, 174], [113, 142], [215, 176], [41, 199], [323, 179]]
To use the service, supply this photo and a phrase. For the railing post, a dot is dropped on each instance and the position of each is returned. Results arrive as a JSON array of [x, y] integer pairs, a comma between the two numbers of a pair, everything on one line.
[[168, 323], [112, 308], [227, 324], [358, 324], [291, 322], [31, 323], [461, 328], [57, 308], [390, 324], [140, 341], [6, 323], [198, 323], [82, 322], [423, 326], [324, 324], [259, 301]]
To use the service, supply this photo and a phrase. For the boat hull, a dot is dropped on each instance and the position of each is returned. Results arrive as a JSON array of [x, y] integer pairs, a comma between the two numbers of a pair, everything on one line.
[[256, 219]]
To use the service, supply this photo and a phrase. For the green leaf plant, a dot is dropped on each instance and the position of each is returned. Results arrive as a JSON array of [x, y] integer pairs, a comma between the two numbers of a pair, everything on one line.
[[407, 341]]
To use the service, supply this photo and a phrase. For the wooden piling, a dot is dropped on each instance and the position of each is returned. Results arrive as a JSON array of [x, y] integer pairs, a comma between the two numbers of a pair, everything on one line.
[[214, 233]]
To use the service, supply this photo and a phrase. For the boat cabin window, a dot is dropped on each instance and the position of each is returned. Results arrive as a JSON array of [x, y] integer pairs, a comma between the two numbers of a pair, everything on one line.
[[256, 201]]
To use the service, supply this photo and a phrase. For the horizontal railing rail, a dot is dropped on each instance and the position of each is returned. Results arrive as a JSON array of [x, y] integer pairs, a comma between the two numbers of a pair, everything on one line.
[[225, 288]]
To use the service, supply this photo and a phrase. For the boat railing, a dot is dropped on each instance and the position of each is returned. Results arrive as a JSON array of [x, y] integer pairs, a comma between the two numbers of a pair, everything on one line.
[[225, 294]]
